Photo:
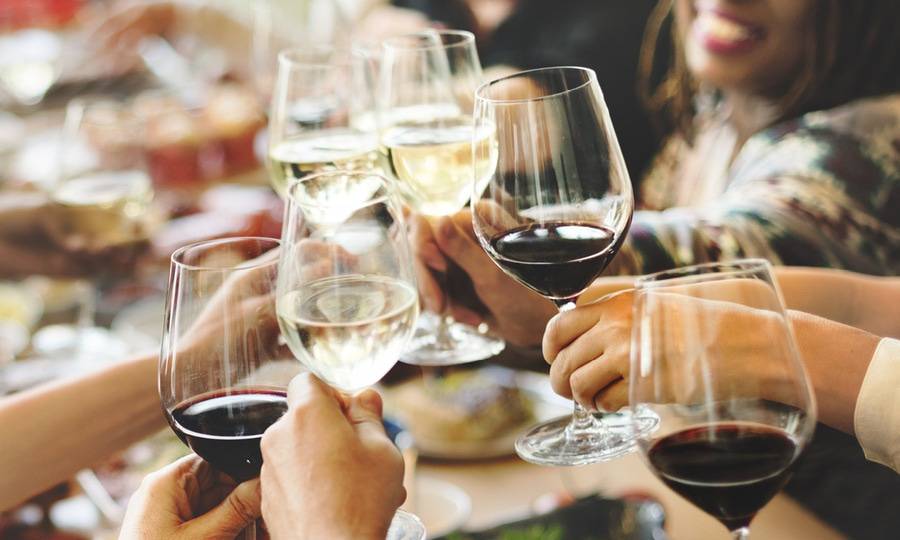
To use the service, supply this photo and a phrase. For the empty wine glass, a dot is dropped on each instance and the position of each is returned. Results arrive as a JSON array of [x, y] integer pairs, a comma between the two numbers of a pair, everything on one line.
[[426, 90], [714, 357], [346, 298], [552, 215], [323, 115], [222, 377]]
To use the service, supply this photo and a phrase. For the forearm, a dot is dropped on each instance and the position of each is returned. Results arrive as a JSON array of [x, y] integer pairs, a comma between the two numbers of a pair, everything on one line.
[[836, 357], [51, 432]]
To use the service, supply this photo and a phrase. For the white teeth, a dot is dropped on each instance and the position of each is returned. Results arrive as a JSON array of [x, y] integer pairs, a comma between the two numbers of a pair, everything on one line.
[[721, 28]]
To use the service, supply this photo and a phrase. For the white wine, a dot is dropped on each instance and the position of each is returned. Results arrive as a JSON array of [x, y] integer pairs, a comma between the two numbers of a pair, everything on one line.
[[432, 159], [338, 149], [349, 330], [103, 209]]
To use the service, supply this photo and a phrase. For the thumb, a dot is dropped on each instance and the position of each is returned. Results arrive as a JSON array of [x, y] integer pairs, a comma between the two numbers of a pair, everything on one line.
[[364, 414], [239, 509], [460, 247]]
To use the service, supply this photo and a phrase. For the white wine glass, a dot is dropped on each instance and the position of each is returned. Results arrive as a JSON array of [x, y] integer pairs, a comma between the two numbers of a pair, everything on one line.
[[426, 90], [323, 115], [552, 216], [346, 298], [714, 358], [100, 201]]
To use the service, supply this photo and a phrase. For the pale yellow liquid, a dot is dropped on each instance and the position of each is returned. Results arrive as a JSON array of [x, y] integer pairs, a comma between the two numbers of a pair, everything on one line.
[[432, 160], [340, 149], [349, 330], [103, 209]]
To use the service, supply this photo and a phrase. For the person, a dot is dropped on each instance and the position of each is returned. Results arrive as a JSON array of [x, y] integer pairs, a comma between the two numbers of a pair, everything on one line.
[[347, 484], [854, 374], [776, 154]]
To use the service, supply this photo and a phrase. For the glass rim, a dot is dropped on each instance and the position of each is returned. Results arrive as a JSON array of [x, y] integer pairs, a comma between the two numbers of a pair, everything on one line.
[[348, 54], [696, 272], [244, 265], [466, 38], [480, 91], [385, 185]]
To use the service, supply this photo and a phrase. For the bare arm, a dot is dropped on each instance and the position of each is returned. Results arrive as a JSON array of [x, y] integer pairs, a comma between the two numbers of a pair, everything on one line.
[[871, 303], [51, 432]]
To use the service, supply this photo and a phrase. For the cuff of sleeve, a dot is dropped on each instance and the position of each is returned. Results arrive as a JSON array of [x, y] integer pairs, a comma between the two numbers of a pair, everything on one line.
[[877, 415]]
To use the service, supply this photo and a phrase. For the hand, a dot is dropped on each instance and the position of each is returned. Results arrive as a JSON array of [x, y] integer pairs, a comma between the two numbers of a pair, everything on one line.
[[329, 470], [518, 314], [189, 499], [589, 348]]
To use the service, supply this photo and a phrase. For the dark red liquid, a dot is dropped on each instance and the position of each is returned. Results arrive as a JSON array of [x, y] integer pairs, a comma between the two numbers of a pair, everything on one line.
[[225, 428], [729, 470], [558, 260]]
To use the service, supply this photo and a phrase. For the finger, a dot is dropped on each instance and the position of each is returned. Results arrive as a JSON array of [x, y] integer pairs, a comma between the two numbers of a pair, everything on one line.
[[592, 379], [429, 290], [566, 327], [465, 315], [424, 244], [239, 509], [466, 252], [364, 414], [306, 390], [613, 397]]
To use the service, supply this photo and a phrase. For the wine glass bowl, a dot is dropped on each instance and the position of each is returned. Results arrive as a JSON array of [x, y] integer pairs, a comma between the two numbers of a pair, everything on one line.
[[323, 114], [714, 358], [222, 378], [347, 301], [552, 215]]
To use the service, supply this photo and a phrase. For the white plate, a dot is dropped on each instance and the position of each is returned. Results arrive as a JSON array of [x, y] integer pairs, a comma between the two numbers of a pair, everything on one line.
[[443, 507], [546, 406]]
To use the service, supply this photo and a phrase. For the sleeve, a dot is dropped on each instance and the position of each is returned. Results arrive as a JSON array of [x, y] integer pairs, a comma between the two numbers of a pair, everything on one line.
[[877, 415], [790, 219]]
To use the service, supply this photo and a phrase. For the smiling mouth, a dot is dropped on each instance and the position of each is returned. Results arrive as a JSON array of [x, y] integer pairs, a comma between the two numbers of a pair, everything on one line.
[[724, 34]]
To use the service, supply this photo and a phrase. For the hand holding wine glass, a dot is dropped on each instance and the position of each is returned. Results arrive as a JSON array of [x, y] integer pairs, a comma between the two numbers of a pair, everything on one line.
[[553, 215], [346, 297], [353, 470], [735, 411]]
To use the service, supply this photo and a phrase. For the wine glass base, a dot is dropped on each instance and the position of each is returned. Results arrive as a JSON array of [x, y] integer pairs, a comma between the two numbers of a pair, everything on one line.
[[552, 444], [406, 526], [466, 344]]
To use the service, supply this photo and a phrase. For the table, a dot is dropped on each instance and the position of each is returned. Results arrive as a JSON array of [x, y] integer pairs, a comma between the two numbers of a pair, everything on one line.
[[503, 490]]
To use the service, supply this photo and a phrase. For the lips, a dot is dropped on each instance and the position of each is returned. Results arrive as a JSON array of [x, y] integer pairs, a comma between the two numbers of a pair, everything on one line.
[[722, 33]]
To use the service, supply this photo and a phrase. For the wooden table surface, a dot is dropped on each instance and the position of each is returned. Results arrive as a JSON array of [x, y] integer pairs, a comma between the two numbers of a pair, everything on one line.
[[504, 490]]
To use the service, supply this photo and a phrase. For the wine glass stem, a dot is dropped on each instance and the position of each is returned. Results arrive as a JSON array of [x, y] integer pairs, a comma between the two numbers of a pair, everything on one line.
[[583, 422], [741, 534], [87, 303], [445, 319]]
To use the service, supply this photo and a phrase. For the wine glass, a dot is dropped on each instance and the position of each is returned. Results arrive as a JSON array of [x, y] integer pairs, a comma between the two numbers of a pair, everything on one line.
[[346, 298], [323, 115], [713, 356], [279, 25], [426, 90], [222, 381], [552, 215], [100, 202]]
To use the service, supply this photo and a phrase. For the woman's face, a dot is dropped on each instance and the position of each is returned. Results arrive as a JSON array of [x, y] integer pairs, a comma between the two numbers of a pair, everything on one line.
[[750, 46]]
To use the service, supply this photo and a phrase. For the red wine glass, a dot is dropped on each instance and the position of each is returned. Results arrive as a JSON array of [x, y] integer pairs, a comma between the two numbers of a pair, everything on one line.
[[223, 377], [552, 215], [713, 356]]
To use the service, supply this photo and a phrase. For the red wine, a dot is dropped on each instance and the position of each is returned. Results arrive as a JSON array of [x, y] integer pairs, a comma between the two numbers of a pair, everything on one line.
[[225, 428], [557, 259], [729, 470]]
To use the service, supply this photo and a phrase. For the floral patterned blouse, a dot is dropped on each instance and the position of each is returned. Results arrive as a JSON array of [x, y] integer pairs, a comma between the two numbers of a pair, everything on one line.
[[820, 190]]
